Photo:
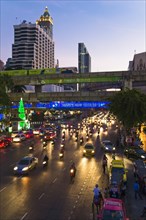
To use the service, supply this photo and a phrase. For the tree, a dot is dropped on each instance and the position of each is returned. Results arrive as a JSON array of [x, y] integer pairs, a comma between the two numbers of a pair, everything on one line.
[[21, 112], [6, 84], [129, 106]]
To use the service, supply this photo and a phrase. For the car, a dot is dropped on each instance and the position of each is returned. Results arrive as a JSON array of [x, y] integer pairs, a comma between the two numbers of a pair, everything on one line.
[[112, 209], [50, 136], [89, 150], [2, 144], [29, 134], [25, 165], [36, 131], [14, 133], [108, 146], [135, 153], [5, 141], [118, 171], [19, 138]]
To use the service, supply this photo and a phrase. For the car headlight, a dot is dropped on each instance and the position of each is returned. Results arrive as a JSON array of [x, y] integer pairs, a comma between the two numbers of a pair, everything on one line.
[[93, 151], [114, 148], [84, 151], [106, 148], [142, 156], [25, 168], [15, 168]]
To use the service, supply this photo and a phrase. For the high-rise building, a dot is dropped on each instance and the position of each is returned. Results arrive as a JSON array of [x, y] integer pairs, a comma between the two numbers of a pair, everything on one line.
[[84, 59], [33, 46], [138, 62]]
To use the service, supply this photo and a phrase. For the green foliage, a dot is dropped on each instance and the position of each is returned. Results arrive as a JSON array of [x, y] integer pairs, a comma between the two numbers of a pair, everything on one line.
[[129, 106]]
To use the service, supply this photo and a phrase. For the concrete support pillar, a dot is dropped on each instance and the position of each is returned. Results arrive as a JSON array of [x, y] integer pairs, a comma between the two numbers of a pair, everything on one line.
[[128, 83], [38, 88]]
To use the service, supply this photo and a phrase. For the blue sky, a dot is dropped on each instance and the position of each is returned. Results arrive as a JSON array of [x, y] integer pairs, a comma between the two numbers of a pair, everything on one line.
[[111, 30]]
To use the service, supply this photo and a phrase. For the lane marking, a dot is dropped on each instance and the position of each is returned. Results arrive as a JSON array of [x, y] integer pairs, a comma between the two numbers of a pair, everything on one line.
[[54, 180], [2, 189], [41, 195], [12, 164], [24, 216]]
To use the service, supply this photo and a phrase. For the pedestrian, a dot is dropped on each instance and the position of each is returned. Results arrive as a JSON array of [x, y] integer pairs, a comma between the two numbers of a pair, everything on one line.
[[96, 190], [104, 163], [136, 188], [106, 192]]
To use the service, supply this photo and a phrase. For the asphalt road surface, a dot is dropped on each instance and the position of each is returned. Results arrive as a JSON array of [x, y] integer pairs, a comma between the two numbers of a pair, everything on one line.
[[47, 193]]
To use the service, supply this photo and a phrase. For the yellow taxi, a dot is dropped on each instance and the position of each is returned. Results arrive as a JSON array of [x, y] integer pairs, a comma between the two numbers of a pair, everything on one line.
[[118, 171]]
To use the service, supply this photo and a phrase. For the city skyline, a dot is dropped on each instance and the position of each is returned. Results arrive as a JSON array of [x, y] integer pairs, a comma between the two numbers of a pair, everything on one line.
[[111, 30]]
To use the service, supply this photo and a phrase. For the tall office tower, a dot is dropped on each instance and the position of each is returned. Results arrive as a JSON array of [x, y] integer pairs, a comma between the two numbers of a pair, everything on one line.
[[33, 46], [84, 59]]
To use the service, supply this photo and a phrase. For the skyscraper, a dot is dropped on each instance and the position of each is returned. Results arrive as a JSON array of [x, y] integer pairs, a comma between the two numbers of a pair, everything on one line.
[[84, 59], [33, 46]]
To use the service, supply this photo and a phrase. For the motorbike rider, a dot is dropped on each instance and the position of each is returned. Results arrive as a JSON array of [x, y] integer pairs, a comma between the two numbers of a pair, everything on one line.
[[81, 139], [73, 167], [46, 158], [143, 211]]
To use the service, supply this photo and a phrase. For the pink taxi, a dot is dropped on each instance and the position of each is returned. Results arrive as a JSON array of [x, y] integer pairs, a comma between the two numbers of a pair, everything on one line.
[[113, 209]]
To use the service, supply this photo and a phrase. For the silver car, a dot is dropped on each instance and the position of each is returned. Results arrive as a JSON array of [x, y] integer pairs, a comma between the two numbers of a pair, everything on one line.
[[25, 165]]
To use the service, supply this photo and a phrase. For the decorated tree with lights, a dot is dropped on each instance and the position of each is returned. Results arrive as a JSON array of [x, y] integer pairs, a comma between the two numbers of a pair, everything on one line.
[[21, 112]]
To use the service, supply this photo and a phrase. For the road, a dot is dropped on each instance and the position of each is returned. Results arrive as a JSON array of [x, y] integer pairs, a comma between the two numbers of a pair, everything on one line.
[[46, 193]]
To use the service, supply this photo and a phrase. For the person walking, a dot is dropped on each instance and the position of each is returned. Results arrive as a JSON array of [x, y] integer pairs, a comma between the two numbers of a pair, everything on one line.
[[136, 188], [104, 163]]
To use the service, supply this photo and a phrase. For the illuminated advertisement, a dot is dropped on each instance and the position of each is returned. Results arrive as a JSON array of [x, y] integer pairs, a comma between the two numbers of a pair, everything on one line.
[[73, 105], [68, 105]]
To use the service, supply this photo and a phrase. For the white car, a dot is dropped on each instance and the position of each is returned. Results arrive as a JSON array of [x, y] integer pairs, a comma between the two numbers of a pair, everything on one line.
[[19, 138], [36, 131]]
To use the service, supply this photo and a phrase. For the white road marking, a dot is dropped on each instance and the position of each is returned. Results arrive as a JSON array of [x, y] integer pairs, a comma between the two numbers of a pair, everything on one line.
[[24, 216], [41, 195], [2, 189], [12, 164], [54, 180]]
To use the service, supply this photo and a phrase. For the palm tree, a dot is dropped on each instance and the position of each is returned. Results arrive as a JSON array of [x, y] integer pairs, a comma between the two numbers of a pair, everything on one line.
[[129, 106]]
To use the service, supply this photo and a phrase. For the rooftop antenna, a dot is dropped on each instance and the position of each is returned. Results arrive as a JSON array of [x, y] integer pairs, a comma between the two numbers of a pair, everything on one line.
[[134, 52]]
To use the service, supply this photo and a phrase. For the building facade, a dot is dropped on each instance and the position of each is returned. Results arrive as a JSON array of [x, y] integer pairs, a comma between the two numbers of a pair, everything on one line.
[[84, 59], [138, 62], [33, 46]]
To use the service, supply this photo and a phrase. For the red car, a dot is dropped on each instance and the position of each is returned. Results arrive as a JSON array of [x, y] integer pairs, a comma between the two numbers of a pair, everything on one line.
[[113, 209], [2, 144], [5, 141], [49, 136], [29, 135]]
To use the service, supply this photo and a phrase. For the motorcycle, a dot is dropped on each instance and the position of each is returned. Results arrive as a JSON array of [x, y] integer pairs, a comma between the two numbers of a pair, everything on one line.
[[45, 163], [61, 155], [76, 139], [81, 140], [87, 138], [31, 149], [72, 174], [44, 143]]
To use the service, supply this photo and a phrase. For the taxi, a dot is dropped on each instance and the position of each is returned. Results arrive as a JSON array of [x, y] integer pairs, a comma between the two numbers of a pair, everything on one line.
[[117, 168], [89, 150], [113, 209]]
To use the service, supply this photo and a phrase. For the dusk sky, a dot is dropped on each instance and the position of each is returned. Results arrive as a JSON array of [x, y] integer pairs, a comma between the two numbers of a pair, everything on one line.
[[111, 30]]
